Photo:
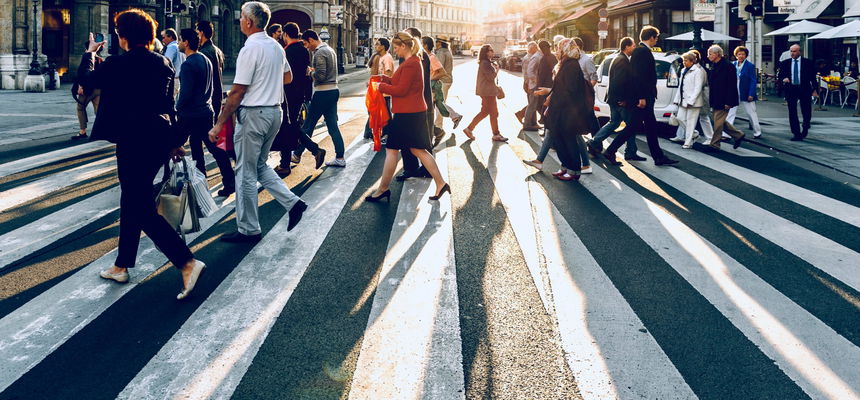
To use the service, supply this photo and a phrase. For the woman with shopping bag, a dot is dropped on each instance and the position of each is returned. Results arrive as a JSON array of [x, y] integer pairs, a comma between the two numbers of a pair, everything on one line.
[[136, 113]]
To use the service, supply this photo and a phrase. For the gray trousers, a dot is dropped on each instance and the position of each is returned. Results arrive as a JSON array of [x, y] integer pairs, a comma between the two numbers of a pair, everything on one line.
[[530, 119], [256, 129]]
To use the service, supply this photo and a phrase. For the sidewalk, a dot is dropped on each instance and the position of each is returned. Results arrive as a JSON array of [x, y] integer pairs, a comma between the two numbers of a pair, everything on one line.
[[833, 141]]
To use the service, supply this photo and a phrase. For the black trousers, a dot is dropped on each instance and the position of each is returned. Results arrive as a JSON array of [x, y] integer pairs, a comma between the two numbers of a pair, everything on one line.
[[641, 118], [137, 165], [295, 99], [197, 129], [793, 95], [410, 162]]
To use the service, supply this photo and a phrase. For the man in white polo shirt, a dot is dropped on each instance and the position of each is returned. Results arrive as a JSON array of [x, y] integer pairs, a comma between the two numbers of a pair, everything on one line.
[[255, 98]]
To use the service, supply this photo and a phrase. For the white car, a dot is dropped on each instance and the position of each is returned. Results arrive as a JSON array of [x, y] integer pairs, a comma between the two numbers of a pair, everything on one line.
[[668, 67]]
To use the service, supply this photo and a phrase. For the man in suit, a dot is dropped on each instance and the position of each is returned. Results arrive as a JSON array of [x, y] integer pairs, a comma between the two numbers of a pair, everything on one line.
[[644, 86], [798, 77], [620, 102], [723, 83], [746, 89]]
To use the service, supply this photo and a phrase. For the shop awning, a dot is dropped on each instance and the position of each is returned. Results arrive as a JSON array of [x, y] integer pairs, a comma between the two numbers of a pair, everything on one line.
[[627, 3], [580, 13], [853, 11], [809, 9], [849, 30], [537, 28]]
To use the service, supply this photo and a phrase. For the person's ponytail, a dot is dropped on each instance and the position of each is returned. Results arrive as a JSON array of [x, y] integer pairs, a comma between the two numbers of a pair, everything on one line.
[[416, 48]]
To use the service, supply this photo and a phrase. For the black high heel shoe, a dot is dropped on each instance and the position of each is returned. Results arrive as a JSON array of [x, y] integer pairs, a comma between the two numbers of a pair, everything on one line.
[[384, 195], [445, 188]]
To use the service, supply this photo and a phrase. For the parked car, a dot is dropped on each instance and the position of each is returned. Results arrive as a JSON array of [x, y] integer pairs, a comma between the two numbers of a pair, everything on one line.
[[668, 71], [600, 55], [512, 58], [475, 49]]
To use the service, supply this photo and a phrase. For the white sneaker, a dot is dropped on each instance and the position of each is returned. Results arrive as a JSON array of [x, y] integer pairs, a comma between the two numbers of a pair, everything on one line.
[[586, 170], [121, 277], [757, 135], [687, 146], [295, 159], [337, 162], [677, 140], [695, 136]]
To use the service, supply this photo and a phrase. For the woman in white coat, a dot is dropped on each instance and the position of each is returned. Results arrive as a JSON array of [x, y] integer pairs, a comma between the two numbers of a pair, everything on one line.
[[690, 97]]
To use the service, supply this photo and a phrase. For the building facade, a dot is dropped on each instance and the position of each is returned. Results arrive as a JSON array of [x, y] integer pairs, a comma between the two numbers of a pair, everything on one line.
[[392, 16], [454, 19], [62, 27], [503, 22]]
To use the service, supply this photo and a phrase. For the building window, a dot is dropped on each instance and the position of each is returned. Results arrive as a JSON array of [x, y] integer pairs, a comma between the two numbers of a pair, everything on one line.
[[646, 18], [630, 25]]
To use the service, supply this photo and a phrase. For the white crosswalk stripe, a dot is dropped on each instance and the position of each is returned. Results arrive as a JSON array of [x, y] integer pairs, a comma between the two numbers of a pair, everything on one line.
[[412, 345]]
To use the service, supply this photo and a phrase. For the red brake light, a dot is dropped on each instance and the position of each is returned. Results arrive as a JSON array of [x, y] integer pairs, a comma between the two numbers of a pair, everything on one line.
[[596, 108], [667, 115]]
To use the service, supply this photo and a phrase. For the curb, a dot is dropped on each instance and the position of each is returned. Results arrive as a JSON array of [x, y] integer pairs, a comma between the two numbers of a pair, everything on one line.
[[793, 154]]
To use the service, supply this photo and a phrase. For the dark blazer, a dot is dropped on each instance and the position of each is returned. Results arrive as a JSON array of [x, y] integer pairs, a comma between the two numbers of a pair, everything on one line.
[[644, 73], [544, 72], [568, 112], [808, 80], [486, 82], [299, 59], [425, 68], [747, 81], [136, 103], [620, 81], [723, 83], [82, 71]]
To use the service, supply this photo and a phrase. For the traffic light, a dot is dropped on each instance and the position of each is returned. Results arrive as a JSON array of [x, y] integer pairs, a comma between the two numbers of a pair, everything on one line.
[[755, 8], [179, 7]]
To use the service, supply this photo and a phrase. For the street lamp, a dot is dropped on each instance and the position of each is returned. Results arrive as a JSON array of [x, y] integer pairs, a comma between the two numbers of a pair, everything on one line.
[[35, 68]]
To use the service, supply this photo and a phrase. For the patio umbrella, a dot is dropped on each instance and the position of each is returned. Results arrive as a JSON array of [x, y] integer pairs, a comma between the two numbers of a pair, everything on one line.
[[707, 36], [804, 28], [853, 11], [800, 28], [849, 30]]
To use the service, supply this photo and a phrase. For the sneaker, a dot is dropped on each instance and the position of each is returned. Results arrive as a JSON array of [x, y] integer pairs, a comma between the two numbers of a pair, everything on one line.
[[687, 146], [586, 170], [677, 140], [756, 135], [295, 159], [337, 162], [80, 136]]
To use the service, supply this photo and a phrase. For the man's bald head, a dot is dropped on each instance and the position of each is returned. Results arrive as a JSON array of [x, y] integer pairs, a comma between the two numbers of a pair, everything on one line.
[[795, 51]]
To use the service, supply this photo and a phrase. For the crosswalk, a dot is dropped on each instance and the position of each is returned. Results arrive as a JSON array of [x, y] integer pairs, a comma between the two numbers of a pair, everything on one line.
[[731, 276]]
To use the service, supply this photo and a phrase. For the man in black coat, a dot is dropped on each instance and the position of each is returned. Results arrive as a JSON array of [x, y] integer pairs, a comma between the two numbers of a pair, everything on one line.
[[620, 100], [798, 77], [723, 84], [644, 85], [296, 91]]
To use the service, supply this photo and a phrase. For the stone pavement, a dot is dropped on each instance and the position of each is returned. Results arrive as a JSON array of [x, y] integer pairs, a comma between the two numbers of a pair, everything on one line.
[[833, 141]]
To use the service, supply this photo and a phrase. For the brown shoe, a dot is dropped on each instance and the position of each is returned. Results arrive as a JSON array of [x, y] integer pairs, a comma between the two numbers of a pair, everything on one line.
[[520, 115], [282, 172]]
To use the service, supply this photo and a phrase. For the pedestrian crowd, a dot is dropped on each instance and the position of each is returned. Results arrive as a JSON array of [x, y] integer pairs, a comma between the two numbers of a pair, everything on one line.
[[151, 103]]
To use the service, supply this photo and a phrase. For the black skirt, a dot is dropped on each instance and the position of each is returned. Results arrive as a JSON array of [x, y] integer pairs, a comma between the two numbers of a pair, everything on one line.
[[408, 131]]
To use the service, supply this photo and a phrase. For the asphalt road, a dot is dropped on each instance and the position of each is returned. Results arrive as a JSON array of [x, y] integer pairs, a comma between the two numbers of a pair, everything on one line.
[[728, 276]]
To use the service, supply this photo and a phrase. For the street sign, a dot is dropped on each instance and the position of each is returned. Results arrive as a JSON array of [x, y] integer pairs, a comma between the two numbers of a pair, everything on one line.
[[786, 10], [704, 10], [602, 13], [324, 35], [335, 15], [602, 26], [602, 34]]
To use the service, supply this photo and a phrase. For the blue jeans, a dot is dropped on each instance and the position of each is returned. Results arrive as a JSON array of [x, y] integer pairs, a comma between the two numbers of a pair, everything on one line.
[[617, 114], [548, 143], [323, 105]]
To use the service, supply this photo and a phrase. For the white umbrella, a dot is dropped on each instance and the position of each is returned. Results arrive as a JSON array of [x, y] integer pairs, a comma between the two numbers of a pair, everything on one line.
[[849, 30], [853, 11], [799, 28], [707, 36]]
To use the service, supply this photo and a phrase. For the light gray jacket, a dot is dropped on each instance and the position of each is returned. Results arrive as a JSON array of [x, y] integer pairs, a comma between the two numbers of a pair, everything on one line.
[[325, 66]]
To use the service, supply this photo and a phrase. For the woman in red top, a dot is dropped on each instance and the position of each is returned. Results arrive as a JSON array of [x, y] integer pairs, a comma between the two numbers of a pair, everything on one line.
[[407, 127]]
